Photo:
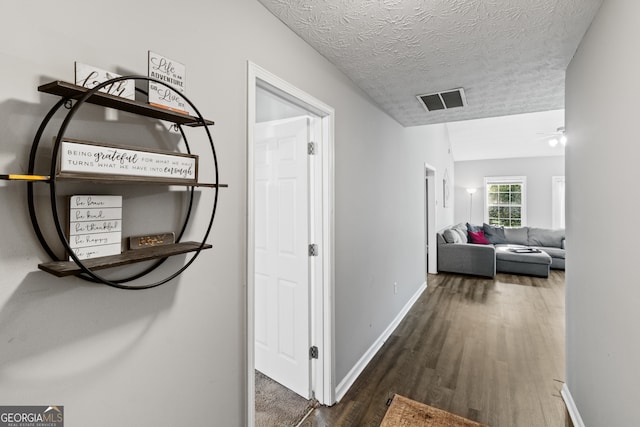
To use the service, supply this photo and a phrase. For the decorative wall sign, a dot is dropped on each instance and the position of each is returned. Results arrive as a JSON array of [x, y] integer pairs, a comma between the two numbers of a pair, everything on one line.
[[83, 157], [140, 242], [89, 76], [172, 73], [95, 226]]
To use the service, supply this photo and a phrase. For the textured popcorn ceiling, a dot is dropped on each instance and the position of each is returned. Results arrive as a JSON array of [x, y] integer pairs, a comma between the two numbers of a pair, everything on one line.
[[510, 56]]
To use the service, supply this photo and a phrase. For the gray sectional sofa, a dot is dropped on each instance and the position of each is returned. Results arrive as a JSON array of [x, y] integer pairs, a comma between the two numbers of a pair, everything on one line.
[[533, 251]]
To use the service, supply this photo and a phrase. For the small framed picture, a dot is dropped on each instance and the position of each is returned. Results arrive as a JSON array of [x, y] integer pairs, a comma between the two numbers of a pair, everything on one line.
[[445, 189]]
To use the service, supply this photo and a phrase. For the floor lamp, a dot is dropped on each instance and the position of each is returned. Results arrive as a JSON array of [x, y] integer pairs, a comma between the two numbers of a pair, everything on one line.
[[471, 191]]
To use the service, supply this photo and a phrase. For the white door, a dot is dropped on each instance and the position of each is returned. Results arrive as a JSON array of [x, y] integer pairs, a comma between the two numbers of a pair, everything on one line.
[[282, 278]]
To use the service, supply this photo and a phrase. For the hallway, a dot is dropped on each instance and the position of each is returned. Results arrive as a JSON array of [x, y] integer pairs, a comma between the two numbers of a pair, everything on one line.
[[491, 350]]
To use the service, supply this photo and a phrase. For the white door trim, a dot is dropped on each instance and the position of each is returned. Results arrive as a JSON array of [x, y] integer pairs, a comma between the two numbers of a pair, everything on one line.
[[430, 205], [322, 299]]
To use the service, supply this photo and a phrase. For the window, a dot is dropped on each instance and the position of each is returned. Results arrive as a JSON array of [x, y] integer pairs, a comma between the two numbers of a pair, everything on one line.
[[505, 202]]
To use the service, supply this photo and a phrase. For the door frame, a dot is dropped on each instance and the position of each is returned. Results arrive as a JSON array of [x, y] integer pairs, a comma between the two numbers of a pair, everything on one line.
[[322, 294], [430, 212], [557, 211]]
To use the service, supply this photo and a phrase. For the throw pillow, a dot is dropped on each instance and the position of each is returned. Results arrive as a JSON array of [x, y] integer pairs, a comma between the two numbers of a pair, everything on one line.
[[471, 227], [493, 234], [450, 236], [464, 237], [478, 238], [461, 229]]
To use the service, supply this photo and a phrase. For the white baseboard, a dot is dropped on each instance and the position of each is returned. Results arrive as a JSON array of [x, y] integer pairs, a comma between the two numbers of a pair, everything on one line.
[[355, 372], [571, 406]]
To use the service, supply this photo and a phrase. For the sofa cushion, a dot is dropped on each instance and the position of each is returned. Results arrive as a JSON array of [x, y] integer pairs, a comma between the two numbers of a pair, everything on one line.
[[553, 252], [493, 234], [505, 253], [546, 237], [517, 236], [477, 237], [451, 236], [461, 229]]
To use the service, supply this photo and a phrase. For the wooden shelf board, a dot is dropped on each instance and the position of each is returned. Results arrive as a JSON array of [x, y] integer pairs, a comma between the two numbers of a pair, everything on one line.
[[70, 90], [69, 268], [209, 185], [119, 179]]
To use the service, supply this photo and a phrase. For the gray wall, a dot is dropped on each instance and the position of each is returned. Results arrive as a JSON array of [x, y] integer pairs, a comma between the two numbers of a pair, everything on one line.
[[435, 147], [380, 235], [538, 170], [175, 355], [603, 295], [380, 230]]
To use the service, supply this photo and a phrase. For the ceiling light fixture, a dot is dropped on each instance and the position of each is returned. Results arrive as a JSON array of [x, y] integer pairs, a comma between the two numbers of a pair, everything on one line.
[[558, 138], [563, 139]]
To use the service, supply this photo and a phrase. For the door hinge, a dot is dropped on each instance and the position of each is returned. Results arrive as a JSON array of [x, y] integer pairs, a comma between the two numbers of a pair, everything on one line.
[[313, 352], [311, 148], [313, 249]]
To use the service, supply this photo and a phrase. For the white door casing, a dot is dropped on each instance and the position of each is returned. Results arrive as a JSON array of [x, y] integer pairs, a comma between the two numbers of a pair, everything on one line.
[[322, 295], [282, 280]]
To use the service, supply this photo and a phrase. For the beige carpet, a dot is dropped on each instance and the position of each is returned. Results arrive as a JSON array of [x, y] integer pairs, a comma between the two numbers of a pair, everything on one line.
[[405, 412], [277, 406]]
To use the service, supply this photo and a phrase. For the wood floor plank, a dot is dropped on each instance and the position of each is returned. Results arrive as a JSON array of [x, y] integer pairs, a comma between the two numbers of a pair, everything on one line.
[[491, 350]]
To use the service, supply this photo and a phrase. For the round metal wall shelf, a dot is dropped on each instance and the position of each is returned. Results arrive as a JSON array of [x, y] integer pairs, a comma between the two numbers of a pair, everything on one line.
[[69, 93]]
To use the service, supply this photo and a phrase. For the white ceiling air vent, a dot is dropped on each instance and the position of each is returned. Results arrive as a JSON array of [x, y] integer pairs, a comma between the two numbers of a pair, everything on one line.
[[445, 100]]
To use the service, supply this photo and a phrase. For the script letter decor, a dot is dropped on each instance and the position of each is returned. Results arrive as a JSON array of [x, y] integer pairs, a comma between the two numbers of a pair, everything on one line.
[[161, 239], [89, 77]]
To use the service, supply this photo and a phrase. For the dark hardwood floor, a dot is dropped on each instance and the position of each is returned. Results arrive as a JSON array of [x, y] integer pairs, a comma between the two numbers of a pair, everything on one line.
[[491, 350]]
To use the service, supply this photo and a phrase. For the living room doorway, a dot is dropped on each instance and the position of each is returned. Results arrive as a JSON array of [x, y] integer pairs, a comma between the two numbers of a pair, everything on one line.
[[431, 249]]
